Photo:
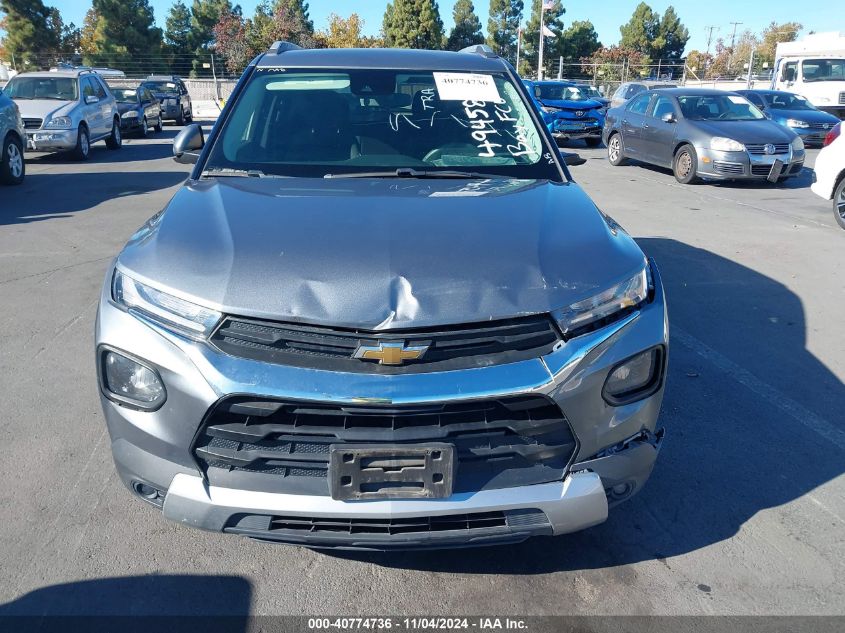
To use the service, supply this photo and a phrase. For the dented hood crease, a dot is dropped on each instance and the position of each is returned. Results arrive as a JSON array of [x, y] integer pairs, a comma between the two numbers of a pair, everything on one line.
[[380, 253]]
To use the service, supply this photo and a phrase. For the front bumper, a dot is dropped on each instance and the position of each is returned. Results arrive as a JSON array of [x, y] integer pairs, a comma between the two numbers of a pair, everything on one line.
[[154, 448], [811, 136], [130, 124], [50, 140], [574, 129], [744, 166], [170, 112]]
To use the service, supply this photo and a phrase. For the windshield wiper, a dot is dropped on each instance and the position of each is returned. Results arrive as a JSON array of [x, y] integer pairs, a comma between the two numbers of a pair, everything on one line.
[[238, 173], [408, 172]]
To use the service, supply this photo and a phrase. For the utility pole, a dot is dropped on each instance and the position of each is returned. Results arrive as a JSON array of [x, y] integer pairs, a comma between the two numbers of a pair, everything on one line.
[[710, 29], [518, 42], [540, 54], [733, 40]]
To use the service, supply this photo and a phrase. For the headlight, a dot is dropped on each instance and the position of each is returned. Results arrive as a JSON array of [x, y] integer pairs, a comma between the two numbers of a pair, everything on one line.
[[176, 314], [61, 122], [796, 123], [130, 381], [634, 378], [628, 294], [722, 144], [129, 114], [798, 144]]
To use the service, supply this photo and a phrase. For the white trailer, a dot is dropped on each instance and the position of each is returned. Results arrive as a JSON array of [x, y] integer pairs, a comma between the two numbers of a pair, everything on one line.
[[815, 68]]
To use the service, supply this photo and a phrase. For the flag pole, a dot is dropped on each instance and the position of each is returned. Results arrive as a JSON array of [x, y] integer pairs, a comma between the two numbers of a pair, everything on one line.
[[518, 41], [540, 55]]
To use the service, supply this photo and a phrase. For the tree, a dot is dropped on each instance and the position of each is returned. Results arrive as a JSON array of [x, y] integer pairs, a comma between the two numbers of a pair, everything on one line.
[[88, 37], [673, 34], [503, 26], [615, 63], [177, 38], [531, 37], [124, 36], [31, 34], [231, 40], [467, 29], [345, 33], [578, 41], [772, 35], [642, 32], [413, 24], [204, 15]]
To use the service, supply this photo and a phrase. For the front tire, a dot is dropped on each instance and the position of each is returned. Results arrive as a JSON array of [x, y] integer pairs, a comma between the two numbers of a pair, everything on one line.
[[615, 150], [839, 203], [12, 163], [145, 128], [685, 165], [83, 144], [159, 125], [115, 140]]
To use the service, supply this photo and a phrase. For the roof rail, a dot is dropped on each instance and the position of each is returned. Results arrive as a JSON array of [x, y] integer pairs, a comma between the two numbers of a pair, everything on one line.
[[480, 49], [278, 47]]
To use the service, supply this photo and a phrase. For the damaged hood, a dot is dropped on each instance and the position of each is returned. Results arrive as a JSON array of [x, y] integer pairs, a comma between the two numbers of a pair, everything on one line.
[[380, 253]]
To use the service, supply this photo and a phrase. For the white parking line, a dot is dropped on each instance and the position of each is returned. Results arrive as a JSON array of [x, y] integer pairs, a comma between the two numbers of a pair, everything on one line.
[[783, 402]]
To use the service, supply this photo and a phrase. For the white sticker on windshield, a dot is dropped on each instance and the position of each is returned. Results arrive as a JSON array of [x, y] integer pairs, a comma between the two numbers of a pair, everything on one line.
[[739, 100], [466, 86]]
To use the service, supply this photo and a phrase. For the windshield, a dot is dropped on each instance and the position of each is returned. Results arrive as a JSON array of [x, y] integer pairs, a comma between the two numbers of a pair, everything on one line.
[[557, 92], [125, 95], [52, 88], [787, 101], [333, 122], [824, 69], [718, 108], [591, 92], [166, 87]]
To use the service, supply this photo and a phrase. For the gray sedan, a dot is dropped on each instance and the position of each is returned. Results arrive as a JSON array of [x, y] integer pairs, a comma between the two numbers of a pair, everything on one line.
[[702, 134]]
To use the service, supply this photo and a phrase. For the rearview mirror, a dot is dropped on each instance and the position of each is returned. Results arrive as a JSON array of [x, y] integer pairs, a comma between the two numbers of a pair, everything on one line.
[[668, 118], [188, 143], [91, 99]]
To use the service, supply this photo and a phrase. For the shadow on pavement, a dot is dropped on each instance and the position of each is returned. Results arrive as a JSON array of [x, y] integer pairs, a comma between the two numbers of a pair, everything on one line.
[[802, 181], [225, 599], [733, 449]]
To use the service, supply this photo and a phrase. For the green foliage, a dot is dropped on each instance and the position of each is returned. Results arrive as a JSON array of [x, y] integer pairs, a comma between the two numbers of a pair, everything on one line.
[[503, 25], [774, 33], [467, 30], [413, 24], [673, 34], [125, 36], [655, 36], [177, 38], [32, 36], [579, 41], [205, 14]]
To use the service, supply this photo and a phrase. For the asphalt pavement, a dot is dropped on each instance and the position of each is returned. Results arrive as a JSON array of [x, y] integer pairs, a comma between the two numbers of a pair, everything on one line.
[[744, 514]]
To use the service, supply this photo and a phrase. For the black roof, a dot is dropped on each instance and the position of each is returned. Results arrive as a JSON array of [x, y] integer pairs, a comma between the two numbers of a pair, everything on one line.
[[382, 58]]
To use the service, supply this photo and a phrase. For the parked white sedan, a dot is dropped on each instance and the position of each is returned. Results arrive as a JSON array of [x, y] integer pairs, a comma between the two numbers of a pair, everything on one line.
[[829, 181]]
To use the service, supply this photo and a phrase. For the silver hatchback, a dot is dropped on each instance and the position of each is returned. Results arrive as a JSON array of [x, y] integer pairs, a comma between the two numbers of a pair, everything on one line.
[[66, 111]]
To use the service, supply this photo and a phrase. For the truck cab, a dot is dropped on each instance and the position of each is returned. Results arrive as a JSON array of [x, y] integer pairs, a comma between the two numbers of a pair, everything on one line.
[[815, 68]]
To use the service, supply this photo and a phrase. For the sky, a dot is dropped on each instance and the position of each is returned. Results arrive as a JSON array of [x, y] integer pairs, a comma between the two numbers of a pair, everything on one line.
[[606, 15]]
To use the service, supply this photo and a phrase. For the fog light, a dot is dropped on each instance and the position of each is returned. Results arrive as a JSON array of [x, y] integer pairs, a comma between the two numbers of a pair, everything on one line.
[[634, 378], [131, 382]]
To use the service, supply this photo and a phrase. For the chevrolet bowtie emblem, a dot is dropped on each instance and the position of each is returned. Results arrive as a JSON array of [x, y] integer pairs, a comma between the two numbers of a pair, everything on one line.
[[390, 353]]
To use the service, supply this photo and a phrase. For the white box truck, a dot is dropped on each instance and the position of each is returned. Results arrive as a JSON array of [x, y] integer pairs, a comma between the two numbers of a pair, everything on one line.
[[815, 68]]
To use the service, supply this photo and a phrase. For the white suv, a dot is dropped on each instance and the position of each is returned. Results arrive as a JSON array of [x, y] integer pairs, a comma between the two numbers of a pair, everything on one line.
[[66, 111], [829, 176]]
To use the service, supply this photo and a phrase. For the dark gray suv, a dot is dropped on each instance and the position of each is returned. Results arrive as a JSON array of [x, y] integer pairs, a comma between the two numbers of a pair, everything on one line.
[[380, 314]]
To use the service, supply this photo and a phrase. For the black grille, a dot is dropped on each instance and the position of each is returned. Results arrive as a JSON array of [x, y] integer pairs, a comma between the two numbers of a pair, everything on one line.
[[761, 170], [283, 446], [32, 124], [842, 98], [759, 149], [728, 168], [456, 347], [820, 126]]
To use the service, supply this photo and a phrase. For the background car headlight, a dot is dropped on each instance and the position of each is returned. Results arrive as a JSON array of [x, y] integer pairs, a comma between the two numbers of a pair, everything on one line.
[[797, 144], [628, 294], [61, 122], [722, 144], [129, 381], [796, 123], [129, 114], [635, 378], [173, 313]]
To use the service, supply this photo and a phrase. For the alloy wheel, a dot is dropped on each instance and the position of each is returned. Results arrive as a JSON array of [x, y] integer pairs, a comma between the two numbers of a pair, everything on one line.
[[15, 160], [614, 148], [840, 204], [84, 144]]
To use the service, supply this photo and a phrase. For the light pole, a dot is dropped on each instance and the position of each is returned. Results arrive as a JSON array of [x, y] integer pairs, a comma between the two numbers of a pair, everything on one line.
[[540, 53]]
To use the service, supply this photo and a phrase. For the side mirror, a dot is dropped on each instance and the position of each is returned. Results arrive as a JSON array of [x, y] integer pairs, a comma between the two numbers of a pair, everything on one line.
[[91, 99], [669, 117], [789, 74], [188, 143]]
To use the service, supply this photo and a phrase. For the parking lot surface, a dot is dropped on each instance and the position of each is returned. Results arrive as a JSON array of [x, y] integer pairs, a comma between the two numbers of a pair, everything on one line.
[[744, 514]]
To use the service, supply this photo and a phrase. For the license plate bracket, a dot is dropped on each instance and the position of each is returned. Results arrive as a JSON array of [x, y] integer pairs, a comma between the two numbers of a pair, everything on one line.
[[359, 472], [776, 170]]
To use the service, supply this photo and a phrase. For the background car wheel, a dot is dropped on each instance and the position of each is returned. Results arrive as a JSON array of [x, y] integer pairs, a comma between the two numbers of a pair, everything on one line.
[[159, 125], [839, 203], [13, 166], [115, 140], [145, 128], [180, 120], [83, 144], [592, 142], [685, 165], [615, 150], [190, 115]]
